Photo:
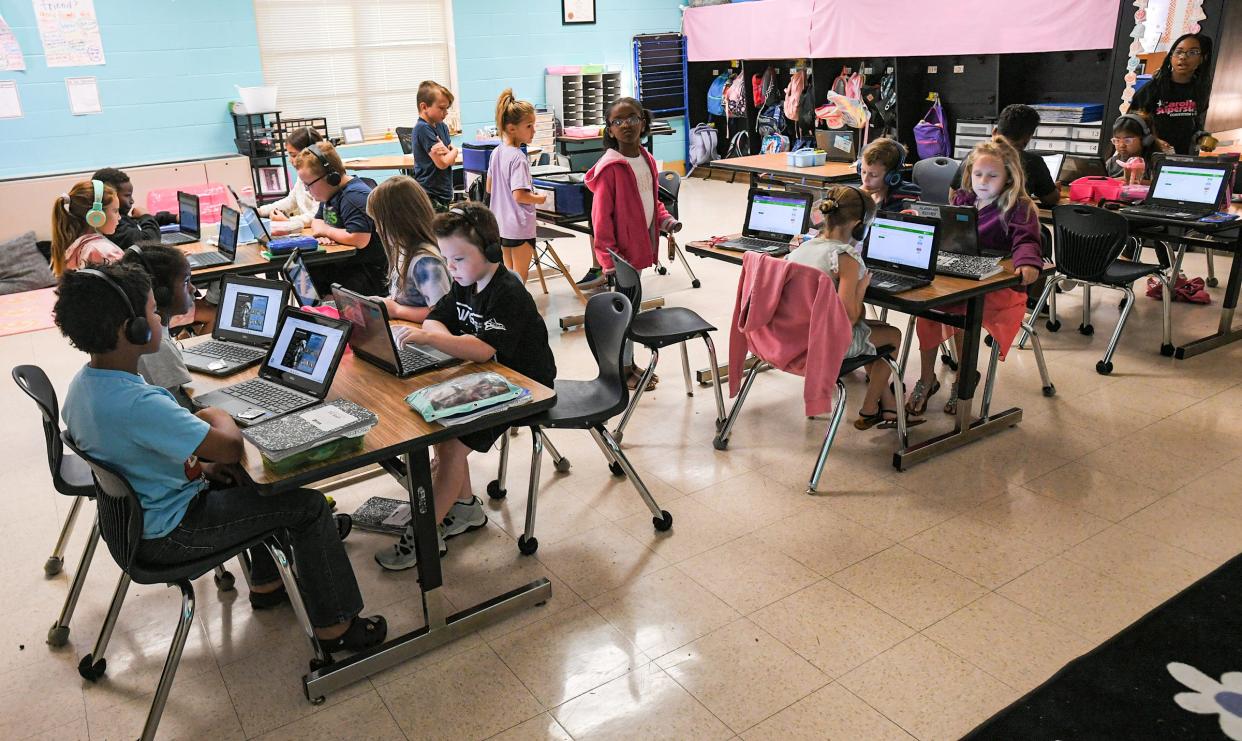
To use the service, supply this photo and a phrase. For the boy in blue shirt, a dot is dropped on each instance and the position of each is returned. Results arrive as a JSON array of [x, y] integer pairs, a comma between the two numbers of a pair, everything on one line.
[[434, 153], [192, 507], [342, 218]]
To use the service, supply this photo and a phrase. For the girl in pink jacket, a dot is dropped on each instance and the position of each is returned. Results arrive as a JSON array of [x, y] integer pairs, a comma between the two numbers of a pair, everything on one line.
[[626, 214]]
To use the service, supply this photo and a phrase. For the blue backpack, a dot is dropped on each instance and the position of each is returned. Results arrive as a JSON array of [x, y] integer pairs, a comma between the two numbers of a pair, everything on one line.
[[715, 94]]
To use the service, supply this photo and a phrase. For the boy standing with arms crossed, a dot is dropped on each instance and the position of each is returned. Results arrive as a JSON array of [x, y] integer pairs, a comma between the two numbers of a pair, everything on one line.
[[434, 153]]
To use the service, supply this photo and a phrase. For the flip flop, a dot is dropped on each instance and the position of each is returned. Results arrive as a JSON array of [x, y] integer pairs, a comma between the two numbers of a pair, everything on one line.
[[877, 420], [917, 403]]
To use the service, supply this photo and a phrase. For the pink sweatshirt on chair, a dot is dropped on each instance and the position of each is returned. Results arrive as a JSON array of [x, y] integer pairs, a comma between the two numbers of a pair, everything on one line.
[[790, 316], [617, 213]]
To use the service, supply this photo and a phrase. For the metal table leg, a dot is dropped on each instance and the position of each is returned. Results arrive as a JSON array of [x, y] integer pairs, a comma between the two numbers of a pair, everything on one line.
[[1225, 333]]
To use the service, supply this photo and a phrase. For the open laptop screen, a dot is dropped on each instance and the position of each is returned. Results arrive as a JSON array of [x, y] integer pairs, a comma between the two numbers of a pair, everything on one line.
[[187, 212], [777, 215], [306, 350], [227, 240], [249, 309], [370, 336], [299, 277], [1188, 184], [904, 243]]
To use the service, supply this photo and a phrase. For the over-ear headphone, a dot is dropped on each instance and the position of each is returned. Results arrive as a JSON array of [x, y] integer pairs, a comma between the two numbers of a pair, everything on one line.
[[96, 216], [892, 178], [137, 330], [859, 232], [330, 173], [491, 250], [161, 292], [1149, 137]]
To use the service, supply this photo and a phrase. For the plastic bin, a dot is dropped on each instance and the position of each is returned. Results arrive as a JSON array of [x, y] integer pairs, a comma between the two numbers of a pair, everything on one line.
[[211, 196], [568, 193], [261, 99], [476, 154], [806, 157]]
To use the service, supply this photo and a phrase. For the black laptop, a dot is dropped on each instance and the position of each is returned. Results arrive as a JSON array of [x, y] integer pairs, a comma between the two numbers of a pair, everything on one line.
[[372, 338], [226, 243], [1074, 167], [299, 278], [246, 320], [773, 218], [187, 227], [1183, 190], [296, 372], [960, 253], [900, 251]]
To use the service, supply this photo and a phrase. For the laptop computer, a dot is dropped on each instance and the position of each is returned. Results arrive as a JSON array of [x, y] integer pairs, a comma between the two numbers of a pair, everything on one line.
[[296, 372], [841, 145], [1074, 167], [254, 228], [295, 273], [187, 228], [1054, 162], [960, 254], [226, 243], [773, 217], [1184, 191], [900, 251], [245, 325], [372, 338]]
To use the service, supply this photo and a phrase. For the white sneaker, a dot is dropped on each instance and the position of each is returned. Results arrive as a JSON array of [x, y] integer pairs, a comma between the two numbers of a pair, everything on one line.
[[464, 517], [401, 555]]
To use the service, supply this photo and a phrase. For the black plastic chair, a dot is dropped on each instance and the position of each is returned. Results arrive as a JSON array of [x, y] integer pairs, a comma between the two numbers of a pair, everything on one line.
[[588, 405], [668, 190], [405, 137], [1087, 246], [934, 176], [120, 524], [659, 328]]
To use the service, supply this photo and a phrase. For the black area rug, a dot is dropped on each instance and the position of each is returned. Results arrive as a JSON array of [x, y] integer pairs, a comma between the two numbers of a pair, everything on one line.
[[1174, 674]]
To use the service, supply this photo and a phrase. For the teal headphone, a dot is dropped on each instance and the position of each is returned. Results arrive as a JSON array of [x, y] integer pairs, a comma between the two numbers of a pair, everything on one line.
[[96, 217]]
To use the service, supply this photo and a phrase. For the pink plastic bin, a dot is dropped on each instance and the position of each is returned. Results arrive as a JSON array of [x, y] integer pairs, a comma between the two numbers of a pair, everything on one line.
[[211, 196]]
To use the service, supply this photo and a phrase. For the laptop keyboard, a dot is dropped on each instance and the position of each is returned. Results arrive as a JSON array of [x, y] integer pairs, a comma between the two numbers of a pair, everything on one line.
[[206, 259], [268, 395], [975, 267], [894, 282], [754, 244], [1168, 212], [228, 351], [176, 238], [413, 360]]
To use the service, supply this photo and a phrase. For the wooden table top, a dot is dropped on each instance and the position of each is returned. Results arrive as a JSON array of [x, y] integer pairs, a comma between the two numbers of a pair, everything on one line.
[[942, 291], [776, 164], [250, 257], [384, 394], [383, 162]]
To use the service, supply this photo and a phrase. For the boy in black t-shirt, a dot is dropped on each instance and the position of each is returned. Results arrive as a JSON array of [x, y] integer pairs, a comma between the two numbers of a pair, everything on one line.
[[342, 218], [486, 314], [1016, 125]]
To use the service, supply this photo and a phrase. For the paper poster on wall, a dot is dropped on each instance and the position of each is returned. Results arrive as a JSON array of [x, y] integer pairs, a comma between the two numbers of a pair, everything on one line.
[[70, 32], [83, 95], [10, 104], [11, 59]]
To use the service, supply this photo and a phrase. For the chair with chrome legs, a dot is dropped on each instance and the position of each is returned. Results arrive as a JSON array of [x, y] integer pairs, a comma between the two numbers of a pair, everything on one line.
[[1088, 243], [120, 525], [588, 405], [658, 328], [668, 191], [71, 477]]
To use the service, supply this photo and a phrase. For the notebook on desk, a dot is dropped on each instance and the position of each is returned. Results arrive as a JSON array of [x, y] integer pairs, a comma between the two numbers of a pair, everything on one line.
[[900, 251], [773, 218], [1183, 191], [245, 324]]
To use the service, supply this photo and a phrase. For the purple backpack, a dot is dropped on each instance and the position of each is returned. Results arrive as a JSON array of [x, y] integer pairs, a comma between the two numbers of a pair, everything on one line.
[[931, 136]]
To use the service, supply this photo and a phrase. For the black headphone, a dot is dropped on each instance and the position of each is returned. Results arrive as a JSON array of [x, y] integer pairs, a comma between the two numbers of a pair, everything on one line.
[[1149, 137], [163, 295], [137, 330], [491, 250], [330, 174], [859, 232]]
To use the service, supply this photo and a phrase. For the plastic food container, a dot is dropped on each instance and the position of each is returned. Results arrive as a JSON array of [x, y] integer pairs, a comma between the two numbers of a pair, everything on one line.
[[806, 158]]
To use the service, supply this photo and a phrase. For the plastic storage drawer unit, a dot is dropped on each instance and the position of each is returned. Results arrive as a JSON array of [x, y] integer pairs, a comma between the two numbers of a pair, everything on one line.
[[567, 193]]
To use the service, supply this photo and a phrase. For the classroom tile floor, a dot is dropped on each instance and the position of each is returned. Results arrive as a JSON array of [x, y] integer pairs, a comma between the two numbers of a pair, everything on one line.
[[897, 605]]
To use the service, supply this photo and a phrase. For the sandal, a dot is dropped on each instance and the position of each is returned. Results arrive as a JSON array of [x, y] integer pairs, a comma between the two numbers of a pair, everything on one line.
[[916, 405], [635, 375], [878, 420], [950, 406], [363, 633]]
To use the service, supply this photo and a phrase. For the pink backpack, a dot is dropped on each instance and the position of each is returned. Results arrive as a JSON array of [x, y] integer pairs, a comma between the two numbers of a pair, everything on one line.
[[735, 97], [793, 93]]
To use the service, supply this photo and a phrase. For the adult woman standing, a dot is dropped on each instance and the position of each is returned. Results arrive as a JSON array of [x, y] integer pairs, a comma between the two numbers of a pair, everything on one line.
[[1177, 96]]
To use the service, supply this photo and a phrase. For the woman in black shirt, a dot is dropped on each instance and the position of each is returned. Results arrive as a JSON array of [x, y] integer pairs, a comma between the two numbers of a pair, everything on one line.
[[1177, 95]]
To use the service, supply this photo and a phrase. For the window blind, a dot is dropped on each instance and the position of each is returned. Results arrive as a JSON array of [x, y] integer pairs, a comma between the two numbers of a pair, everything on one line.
[[355, 62]]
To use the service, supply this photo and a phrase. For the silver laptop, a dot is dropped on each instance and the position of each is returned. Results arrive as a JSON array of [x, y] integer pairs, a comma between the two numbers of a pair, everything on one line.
[[226, 243], [254, 228], [187, 229], [296, 373], [372, 338], [245, 324]]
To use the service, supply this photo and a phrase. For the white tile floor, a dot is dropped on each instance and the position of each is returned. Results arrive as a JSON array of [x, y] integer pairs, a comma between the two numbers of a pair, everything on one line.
[[896, 605]]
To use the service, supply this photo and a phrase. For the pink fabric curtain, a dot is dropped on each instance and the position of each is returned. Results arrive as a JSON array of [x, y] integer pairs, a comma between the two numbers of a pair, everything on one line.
[[784, 29]]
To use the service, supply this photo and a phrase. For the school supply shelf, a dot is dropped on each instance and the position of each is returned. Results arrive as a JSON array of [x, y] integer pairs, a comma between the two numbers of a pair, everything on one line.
[[660, 72], [581, 99], [260, 136]]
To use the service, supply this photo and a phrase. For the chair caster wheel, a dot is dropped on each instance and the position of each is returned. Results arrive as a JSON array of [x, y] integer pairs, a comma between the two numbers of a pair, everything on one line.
[[1103, 368], [562, 465], [696, 283], [663, 522], [53, 565], [616, 469], [92, 670], [987, 340], [1050, 390], [1166, 350], [1053, 326], [949, 361], [494, 491], [318, 700], [58, 635], [1086, 329], [719, 444], [528, 545], [662, 270], [344, 525], [224, 581], [1212, 282]]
